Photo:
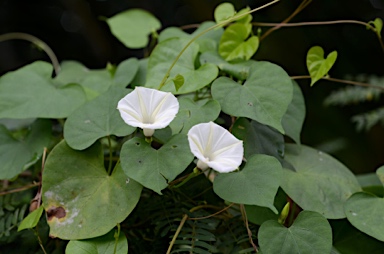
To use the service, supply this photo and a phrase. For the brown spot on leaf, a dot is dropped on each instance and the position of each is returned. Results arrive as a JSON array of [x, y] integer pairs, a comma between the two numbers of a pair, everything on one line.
[[57, 212]]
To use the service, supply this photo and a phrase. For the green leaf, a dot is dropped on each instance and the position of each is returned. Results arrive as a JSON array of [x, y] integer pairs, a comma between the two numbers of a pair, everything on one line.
[[133, 27], [320, 183], [102, 244], [310, 233], [264, 97], [269, 141], [190, 114], [224, 11], [31, 220], [235, 45], [178, 81], [81, 200], [378, 23], [255, 184], [318, 67], [294, 117], [247, 18], [125, 72], [96, 119], [364, 211], [163, 56], [153, 168], [30, 93], [141, 74], [207, 42], [238, 70], [17, 155]]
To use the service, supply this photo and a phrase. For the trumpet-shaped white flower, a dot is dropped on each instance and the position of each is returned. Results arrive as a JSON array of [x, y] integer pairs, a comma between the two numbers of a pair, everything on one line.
[[215, 147], [149, 109]]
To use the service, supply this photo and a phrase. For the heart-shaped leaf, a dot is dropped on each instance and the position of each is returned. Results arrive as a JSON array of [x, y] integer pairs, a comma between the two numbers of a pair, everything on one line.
[[224, 11], [162, 58], [264, 97], [81, 200], [133, 27], [310, 233], [378, 23], [102, 244], [125, 72], [320, 183], [96, 119], [190, 114], [30, 93], [294, 117], [155, 168], [317, 66], [235, 45], [365, 211], [255, 184], [17, 155], [207, 42], [239, 70]]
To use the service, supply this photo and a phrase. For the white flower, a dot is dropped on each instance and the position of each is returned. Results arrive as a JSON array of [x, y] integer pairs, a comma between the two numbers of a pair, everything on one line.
[[215, 147], [149, 109]]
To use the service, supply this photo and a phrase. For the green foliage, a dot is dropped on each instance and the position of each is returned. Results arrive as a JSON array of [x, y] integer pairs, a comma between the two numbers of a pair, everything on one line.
[[101, 173]]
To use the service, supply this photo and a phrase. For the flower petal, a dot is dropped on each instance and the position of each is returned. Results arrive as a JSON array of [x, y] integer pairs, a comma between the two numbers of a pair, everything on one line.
[[216, 147], [148, 108]]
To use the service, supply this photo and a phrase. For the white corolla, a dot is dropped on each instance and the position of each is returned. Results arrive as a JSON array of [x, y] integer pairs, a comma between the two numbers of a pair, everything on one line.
[[149, 109], [215, 147]]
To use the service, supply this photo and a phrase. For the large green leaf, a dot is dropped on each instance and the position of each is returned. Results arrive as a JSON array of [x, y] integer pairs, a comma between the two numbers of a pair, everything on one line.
[[320, 183], [96, 119], [125, 72], [234, 44], [294, 117], [163, 56], [238, 70], [17, 155], [30, 93], [264, 97], [100, 245], [132, 27], [259, 139], [190, 114], [317, 66], [365, 211], [255, 184], [207, 42], [80, 198], [155, 168], [310, 233]]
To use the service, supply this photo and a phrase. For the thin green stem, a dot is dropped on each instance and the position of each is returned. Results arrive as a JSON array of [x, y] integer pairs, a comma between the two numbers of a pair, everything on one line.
[[206, 31], [39, 240], [110, 155], [117, 235], [39, 43], [190, 176]]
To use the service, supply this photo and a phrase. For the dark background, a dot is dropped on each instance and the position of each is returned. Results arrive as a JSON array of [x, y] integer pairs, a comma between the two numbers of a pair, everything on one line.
[[75, 31]]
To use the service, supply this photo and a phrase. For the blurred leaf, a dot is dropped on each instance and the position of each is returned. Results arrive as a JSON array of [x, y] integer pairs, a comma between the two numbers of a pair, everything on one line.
[[320, 183], [224, 11], [234, 43], [294, 117], [190, 114], [178, 81], [264, 97], [309, 233], [255, 184], [318, 67], [103, 244], [163, 56], [30, 93], [125, 72], [378, 23], [96, 119], [17, 155], [153, 168], [132, 27], [32, 219], [81, 200], [141, 74]]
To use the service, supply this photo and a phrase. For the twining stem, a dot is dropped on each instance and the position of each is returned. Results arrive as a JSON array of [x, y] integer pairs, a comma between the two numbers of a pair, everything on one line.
[[26, 187], [214, 214], [39, 43], [225, 22], [39, 240], [182, 222], [245, 218], [117, 235], [349, 82], [195, 173], [110, 156]]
